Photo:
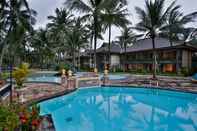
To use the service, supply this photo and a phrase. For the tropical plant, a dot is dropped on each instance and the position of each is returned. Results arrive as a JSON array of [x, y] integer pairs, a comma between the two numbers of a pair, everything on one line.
[[18, 19], [115, 13], [9, 120], [175, 23], [127, 38], [20, 74], [29, 119], [76, 38], [42, 52], [92, 10], [58, 26], [152, 18]]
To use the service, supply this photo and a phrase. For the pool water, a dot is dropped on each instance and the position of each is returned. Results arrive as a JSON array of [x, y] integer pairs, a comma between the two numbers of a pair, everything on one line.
[[44, 77], [50, 77], [123, 109]]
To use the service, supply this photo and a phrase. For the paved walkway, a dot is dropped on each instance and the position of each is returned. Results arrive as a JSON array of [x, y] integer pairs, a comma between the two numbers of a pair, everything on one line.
[[34, 92]]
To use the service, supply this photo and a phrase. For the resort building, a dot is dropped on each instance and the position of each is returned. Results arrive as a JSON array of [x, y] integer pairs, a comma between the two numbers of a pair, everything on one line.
[[139, 56]]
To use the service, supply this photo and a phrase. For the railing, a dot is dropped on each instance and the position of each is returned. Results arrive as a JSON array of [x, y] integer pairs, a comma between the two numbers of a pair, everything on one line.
[[6, 91]]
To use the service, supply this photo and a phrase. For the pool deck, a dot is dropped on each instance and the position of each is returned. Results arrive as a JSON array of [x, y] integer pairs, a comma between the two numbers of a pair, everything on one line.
[[183, 84], [36, 92]]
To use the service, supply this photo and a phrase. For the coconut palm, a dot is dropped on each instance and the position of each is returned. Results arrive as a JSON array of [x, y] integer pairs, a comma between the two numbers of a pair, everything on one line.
[[152, 18], [175, 23], [92, 10], [19, 19], [127, 37], [115, 14], [61, 20], [42, 47], [58, 26], [76, 39]]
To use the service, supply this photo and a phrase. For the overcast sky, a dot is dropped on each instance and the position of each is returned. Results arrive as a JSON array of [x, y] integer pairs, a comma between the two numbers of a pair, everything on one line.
[[47, 7]]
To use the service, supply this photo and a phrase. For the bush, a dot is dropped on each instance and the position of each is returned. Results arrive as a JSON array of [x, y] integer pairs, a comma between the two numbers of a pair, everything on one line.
[[185, 71], [15, 116], [20, 74], [9, 120], [62, 66], [4, 76]]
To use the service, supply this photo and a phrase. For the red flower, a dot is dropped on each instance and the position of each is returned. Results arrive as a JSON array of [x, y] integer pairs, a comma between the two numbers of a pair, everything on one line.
[[23, 118], [35, 123], [23, 121]]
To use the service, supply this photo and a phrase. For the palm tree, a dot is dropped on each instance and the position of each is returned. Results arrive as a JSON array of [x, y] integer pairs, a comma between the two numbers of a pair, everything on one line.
[[92, 10], [19, 19], [175, 23], [152, 18], [58, 26], [76, 38], [62, 19], [126, 38], [115, 13], [42, 47]]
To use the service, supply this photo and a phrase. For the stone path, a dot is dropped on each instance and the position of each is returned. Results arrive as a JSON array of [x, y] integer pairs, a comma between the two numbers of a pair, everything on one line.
[[34, 92]]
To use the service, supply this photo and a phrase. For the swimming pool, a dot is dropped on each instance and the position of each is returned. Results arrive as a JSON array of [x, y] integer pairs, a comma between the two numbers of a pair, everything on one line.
[[50, 77], [123, 109], [44, 77]]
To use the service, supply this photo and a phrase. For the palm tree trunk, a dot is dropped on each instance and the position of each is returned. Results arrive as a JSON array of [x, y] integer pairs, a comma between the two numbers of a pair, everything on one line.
[[109, 47], [170, 39], [74, 60], [79, 60], [154, 59], [91, 42], [125, 57], [95, 40], [2, 55]]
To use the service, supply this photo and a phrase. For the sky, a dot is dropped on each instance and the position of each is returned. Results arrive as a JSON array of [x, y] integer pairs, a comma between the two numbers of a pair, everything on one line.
[[45, 8]]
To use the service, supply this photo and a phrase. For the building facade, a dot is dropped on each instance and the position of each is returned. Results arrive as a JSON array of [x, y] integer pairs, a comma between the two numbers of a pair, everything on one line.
[[139, 56]]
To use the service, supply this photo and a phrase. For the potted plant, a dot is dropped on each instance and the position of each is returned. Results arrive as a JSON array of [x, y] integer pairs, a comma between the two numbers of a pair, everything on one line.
[[20, 74]]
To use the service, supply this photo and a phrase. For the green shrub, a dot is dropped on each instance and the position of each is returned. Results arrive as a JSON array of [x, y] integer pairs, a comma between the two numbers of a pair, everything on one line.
[[185, 71], [4, 75], [62, 66], [9, 120], [20, 74]]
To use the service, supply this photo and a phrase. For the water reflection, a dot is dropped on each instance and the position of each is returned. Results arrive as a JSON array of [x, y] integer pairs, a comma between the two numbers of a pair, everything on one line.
[[117, 109]]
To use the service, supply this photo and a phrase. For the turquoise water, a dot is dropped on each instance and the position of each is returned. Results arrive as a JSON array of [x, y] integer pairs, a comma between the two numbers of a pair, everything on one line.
[[49, 77], [44, 77], [123, 109]]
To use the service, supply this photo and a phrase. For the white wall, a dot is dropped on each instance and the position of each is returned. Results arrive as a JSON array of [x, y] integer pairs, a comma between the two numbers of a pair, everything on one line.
[[115, 60]]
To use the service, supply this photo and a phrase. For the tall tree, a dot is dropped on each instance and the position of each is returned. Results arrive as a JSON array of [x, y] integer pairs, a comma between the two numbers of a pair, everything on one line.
[[58, 26], [175, 23], [127, 37], [76, 39], [19, 19], [92, 10], [152, 18], [115, 13]]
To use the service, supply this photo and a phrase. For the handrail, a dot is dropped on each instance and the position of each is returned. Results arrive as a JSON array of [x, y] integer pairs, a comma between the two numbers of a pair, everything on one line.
[[5, 90]]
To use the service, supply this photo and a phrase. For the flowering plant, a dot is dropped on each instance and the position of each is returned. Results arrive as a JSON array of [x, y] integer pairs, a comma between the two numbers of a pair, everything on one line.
[[29, 119]]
